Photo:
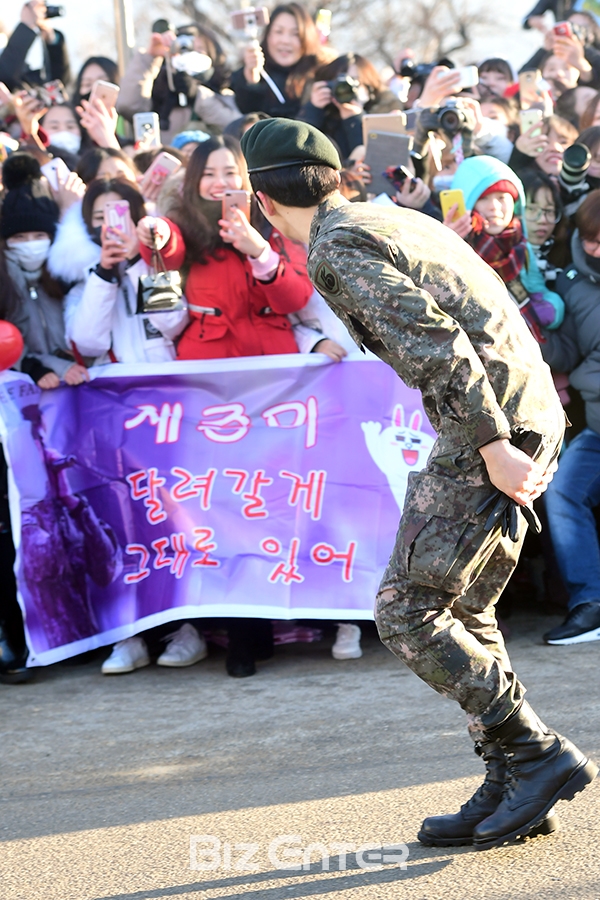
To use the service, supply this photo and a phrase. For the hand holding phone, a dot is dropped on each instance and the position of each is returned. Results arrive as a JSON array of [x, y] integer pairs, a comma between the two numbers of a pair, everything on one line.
[[155, 176], [383, 151], [469, 77], [250, 19], [563, 29], [117, 218], [448, 199], [107, 92], [530, 117], [113, 247], [235, 200], [56, 171], [237, 230], [146, 130], [530, 88]]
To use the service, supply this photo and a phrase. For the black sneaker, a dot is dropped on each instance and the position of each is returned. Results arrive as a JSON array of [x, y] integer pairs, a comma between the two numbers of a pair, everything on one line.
[[582, 624]]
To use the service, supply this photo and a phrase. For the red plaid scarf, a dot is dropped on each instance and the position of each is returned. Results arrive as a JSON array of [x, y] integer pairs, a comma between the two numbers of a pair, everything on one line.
[[505, 252]]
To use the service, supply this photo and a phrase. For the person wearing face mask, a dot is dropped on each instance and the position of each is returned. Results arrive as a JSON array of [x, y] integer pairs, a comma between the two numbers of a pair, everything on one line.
[[240, 288], [240, 285], [100, 310], [274, 75], [27, 228], [495, 227], [342, 122], [101, 323], [153, 82], [95, 68], [62, 129], [575, 348]]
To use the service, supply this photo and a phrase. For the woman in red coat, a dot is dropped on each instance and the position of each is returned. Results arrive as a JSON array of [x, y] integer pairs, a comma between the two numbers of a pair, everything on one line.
[[240, 286]]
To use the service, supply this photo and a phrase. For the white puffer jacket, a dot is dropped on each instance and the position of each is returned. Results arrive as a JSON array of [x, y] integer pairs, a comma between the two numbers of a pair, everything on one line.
[[100, 315]]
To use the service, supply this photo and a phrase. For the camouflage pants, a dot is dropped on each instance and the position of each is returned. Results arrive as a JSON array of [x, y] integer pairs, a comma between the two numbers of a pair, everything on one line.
[[435, 607]]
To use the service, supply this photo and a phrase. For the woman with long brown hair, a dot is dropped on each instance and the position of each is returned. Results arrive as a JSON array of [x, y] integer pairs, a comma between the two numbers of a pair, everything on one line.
[[240, 287], [274, 75]]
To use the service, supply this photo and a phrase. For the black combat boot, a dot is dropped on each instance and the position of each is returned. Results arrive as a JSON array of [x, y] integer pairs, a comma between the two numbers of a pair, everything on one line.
[[456, 830], [543, 767], [12, 664]]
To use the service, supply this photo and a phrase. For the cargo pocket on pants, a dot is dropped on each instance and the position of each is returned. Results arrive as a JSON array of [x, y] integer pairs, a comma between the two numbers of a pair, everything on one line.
[[449, 554]]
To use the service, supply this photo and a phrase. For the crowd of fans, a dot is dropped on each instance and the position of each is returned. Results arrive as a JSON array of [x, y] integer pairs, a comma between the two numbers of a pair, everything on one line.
[[523, 151]]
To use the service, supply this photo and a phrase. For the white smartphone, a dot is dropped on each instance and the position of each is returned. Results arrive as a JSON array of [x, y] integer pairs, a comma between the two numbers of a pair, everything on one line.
[[530, 117], [469, 77], [146, 130], [54, 170]]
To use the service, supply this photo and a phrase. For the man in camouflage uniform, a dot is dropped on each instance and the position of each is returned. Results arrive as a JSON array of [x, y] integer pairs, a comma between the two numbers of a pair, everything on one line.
[[415, 294]]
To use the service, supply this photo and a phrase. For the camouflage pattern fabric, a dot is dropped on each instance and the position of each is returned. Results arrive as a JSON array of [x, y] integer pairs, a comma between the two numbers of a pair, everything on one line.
[[418, 297]]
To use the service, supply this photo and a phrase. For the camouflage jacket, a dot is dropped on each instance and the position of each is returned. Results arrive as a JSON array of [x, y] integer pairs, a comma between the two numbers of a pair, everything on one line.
[[420, 298]]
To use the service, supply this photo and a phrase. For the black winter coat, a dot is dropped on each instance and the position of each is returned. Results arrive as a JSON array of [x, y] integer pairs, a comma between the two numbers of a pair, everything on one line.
[[575, 347]]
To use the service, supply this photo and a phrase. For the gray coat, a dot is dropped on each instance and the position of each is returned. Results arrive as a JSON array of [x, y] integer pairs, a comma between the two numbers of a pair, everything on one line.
[[41, 324], [575, 347]]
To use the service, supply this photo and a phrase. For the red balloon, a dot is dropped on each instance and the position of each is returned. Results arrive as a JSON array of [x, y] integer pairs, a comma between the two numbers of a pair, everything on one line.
[[11, 345]]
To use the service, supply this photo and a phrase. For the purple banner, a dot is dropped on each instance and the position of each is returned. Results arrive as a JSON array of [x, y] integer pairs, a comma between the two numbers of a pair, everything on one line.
[[264, 487]]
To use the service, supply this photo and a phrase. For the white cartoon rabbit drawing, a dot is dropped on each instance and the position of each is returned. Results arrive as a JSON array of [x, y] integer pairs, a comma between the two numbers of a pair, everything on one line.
[[399, 449]]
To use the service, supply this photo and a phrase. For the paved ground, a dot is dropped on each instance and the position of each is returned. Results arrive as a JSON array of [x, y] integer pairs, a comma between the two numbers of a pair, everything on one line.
[[104, 781]]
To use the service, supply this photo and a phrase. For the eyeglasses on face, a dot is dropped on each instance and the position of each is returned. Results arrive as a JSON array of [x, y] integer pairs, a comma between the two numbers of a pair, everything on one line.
[[537, 213]]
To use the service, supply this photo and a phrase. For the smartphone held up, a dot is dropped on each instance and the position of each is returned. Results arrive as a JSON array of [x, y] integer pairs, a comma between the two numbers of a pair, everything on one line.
[[117, 219], [235, 200]]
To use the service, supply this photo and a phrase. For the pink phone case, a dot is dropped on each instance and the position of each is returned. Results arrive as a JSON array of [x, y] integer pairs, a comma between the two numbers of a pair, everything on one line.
[[163, 166], [118, 217]]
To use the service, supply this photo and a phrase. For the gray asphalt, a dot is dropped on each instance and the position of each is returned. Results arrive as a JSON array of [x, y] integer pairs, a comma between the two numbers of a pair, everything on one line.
[[105, 780]]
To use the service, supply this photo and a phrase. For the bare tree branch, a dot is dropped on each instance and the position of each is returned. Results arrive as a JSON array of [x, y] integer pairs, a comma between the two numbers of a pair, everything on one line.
[[377, 29]]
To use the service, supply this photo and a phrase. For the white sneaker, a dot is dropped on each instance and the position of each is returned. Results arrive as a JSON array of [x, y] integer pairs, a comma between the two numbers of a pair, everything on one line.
[[347, 642], [127, 656], [184, 648]]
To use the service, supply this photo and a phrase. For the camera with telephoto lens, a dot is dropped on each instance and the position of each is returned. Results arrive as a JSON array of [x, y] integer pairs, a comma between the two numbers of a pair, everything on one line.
[[572, 179], [344, 89], [576, 162], [53, 12]]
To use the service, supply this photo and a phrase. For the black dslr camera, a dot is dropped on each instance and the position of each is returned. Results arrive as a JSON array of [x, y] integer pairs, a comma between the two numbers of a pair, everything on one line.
[[344, 89], [415, 71], [449, 120]]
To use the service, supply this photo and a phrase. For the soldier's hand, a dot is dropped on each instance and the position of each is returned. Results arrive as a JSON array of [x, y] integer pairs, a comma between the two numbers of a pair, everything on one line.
[[514, 473]]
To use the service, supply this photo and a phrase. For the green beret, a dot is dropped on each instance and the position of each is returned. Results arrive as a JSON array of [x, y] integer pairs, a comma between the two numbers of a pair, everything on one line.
[[275, 143]]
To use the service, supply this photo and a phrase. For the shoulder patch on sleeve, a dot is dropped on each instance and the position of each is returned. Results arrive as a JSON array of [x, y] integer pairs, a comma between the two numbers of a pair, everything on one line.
[[327, 279]]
